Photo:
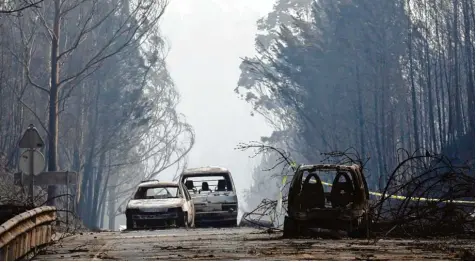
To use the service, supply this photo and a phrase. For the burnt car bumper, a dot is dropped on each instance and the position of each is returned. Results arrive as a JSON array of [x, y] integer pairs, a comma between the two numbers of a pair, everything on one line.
[[330, 218], [171, 218], [216, 216], [329, 213]]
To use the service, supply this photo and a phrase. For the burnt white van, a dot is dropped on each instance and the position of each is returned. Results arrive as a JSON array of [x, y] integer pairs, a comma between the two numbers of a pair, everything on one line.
[[213, 194]]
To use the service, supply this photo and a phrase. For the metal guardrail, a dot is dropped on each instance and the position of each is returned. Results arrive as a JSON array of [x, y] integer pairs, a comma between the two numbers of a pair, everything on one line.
[[26, 232]]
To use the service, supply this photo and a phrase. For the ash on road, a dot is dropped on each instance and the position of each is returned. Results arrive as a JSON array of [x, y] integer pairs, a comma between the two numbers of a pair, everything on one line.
[[246, 244]]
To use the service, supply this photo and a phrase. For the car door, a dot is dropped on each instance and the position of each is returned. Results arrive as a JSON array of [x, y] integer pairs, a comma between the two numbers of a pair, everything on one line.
[[189, 204]]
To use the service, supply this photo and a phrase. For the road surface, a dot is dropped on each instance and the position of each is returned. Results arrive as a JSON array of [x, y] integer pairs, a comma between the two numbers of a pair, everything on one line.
[[246, 244]]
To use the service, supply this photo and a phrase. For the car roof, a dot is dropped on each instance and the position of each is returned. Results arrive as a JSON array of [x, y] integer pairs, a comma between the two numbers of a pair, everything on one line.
[[205, 170], [351, 168], [156, 183]]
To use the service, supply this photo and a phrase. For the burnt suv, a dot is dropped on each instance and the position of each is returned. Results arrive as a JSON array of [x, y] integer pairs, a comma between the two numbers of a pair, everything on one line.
[[214, 196], [345, 207]]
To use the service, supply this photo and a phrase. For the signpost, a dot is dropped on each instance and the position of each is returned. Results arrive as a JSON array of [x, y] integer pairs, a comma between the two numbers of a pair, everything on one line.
[[31, 140], [32, 163], [49, 178], [32, 159], [66, 178]]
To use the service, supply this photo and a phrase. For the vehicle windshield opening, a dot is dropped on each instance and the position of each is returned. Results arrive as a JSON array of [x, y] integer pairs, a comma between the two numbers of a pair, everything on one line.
[[162, 192], [208, 183], [327, 177]]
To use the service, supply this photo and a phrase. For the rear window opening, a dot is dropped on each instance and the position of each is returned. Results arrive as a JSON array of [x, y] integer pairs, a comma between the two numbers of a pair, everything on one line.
[[328, 181], [326, 177], [208, 183], [164, 192]]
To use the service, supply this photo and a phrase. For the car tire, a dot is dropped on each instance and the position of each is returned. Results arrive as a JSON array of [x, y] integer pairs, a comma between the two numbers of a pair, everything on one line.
[[364, 230], [290, 228], [182, 220], [232, 223], [129, 223]]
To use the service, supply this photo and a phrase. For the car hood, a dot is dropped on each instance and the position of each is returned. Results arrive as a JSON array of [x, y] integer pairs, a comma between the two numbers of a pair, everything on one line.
[[150, 203]]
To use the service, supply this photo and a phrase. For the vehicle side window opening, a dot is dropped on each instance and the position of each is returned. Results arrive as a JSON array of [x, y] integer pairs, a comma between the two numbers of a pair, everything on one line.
[[312, 193], [338, 194], [189, 184], [322, 176], [208, 183], [205, 186], [222, 186], [157, 192], [342, 190]]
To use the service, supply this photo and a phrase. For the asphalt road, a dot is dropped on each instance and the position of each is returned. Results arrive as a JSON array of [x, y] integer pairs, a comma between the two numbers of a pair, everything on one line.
[[243, 243]]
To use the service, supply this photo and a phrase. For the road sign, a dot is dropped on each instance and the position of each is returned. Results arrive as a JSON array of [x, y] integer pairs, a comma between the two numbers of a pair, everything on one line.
[[49, 178], [25, 164], [31, 138]]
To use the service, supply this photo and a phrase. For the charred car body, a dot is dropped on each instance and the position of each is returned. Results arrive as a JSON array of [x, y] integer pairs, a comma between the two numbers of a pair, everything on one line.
[[214, 196], [344, 208], [160, 204]]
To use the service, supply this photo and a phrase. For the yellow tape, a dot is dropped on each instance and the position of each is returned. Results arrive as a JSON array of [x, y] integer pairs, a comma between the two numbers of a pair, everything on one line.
[[293, 164], [413, 198]]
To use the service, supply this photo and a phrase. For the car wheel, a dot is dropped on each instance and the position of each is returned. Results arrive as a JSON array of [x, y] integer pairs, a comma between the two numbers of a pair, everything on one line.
[[232, 223], [129, 223], [364, 229], [182, 220], [290, 228]]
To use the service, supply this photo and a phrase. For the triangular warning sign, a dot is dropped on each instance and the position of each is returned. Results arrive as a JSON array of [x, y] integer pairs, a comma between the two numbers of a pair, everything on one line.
[[31, 139]]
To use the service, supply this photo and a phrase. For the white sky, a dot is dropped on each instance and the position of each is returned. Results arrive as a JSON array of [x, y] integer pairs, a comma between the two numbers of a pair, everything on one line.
[[207, 39]]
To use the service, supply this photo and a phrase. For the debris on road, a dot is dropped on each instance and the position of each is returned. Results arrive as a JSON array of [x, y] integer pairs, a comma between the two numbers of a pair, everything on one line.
[[248, 244]]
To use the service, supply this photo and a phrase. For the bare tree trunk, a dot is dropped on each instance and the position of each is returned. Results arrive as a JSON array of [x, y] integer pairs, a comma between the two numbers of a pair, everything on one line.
[[102, 212], [88, 182], [469, 66], [412, 79], [377, 143], [440, 87], [402, 131], [392, 138], [361, 113], [458, 112], [439, 134], [449, 82], [431, 117], [95, 209], [111, 203], [53, 112]]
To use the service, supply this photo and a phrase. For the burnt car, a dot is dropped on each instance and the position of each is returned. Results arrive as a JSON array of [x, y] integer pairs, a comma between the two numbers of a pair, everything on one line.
[[342, 207], [214, 196], [159, 204]]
